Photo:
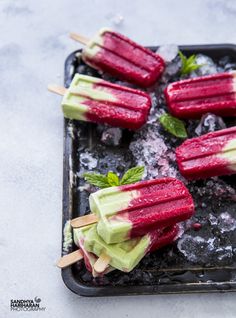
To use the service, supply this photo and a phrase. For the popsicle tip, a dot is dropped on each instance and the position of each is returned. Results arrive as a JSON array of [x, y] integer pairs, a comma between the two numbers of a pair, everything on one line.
[[102, 262], [72, 35], [69, 259], [79, 38], [84, 220], [60, 90]]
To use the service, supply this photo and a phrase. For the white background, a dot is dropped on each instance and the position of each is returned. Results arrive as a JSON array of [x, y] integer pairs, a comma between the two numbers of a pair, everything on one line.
[[33, 46]]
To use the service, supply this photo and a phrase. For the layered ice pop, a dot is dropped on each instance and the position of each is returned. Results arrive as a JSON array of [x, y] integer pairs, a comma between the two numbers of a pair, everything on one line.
[[79, 236], [93, 99], [132, 210], [210, 155], [117, 55], [194, 97], [126, 255]]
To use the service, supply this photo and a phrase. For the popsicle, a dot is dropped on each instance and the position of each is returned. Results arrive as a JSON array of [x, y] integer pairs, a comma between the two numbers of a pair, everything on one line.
[[119, 56], [194, 97], [93, 99], [210, 155], [126, 255], [79, 236], [132, 210]]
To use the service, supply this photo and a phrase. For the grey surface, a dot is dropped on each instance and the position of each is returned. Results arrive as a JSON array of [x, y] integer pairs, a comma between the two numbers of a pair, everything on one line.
[[33, 46]]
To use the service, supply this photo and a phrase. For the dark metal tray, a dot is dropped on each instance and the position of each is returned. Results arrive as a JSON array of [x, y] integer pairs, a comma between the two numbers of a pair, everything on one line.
[[165, 271]]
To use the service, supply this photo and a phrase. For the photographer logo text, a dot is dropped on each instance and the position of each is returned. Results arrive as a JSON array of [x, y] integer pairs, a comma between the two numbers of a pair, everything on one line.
[[26, 304]]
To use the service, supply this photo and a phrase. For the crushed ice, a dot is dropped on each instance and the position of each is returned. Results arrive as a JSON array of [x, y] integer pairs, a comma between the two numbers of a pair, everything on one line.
[[85, 187], [111, 136], [150, 150], [212, 188], [155, 112], [70, 130], [88, 161], [201, 250], [225, 222]]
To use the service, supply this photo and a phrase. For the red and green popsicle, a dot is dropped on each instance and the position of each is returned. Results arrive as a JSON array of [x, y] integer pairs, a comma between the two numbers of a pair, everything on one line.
[[121, 57], [210, 155], [191, 98], [133, 210], [95, 100], [126, 255]]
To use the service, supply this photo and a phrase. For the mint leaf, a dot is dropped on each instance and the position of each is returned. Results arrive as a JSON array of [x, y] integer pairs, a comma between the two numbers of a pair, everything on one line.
[[182, 57], [173, 125], [188, 64], [113, 179], [99, 180], [132, 175]]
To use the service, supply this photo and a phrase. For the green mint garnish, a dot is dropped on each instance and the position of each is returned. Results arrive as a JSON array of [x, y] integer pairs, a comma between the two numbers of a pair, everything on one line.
[[188, 64], [99, 180], [111, 179], [173, 125], [132, 175]]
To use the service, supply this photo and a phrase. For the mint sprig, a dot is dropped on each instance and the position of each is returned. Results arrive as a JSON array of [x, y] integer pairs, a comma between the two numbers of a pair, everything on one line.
[[173, 125], [188, 64], [111, 179]]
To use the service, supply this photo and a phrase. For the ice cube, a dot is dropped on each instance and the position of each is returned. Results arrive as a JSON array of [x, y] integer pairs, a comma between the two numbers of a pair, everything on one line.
[[171, 70], [213, 219], [207, 65], [208, 123], [226, 222], [111, 136], [168, 52], [196, 249]]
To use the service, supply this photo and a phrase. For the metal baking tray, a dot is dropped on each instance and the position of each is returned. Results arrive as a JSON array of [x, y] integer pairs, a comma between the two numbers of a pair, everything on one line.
[[167, 270]]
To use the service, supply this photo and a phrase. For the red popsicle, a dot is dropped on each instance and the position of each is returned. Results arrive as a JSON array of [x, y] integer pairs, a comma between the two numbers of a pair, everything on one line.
[[168, 235], [210, 155], [119, 56], [194, 97]]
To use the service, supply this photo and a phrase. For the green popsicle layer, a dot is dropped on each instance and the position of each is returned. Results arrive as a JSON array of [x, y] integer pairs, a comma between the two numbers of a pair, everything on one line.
[[94, 45], [124, 256], [80, 236], [107, 202], [229, 153], [83, 89]]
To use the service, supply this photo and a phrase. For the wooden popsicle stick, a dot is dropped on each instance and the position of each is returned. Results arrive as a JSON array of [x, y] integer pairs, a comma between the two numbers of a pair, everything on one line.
[[60, 90], [101, 264], [79, 38], [70, 259], [84, 220]]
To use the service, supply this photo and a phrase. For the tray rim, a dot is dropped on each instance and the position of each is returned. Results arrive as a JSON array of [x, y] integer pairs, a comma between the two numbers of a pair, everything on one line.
[[100, 291]]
